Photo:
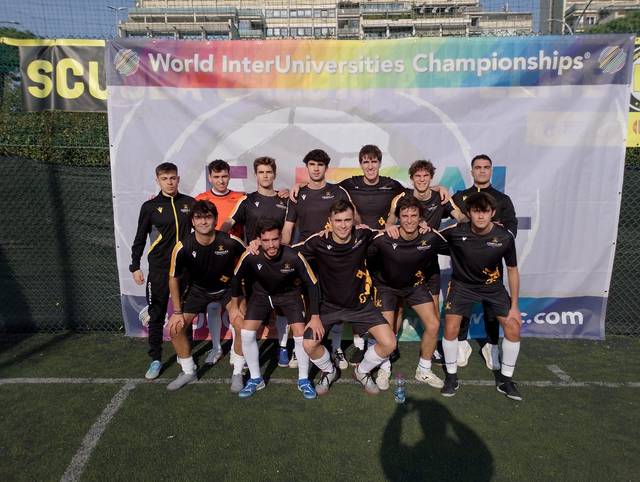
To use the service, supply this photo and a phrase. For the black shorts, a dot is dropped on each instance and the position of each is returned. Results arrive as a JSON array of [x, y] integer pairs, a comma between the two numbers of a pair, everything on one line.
[[389, 297], [196, 299], [433, 282], [462, 296], [361, 319], [260, 306]]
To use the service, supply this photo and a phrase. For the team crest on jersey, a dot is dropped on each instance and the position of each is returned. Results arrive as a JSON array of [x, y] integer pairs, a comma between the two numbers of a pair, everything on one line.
[[160, 209], [224, 278], [328, 195], [221, 251], [494, 243], [447, 306], [185, 209], [381, 221], [259, 266], [286, 268], [193, 253]]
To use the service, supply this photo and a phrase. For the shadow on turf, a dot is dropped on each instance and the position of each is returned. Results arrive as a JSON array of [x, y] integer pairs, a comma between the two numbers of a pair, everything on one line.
[[448, 448]]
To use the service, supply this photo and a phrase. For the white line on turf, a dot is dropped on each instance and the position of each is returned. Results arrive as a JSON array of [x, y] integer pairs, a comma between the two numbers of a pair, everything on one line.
[[79, 461], [290, 381], [560, 373]]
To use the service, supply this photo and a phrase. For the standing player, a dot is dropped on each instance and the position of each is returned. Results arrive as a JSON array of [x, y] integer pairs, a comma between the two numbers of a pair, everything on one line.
[[207, 257], [261, 204], [309, 215], [477, 251], [165, 219], [275, 276], [481, 172], [400, 272], [346, 296], [224, 199]]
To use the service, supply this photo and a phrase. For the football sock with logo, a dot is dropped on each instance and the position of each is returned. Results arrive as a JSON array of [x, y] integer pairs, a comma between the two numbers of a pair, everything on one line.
[[324, 362], [450, 349], [371, 360], [251, 352], [510, 350], [282, 327], [188, 365], [303, 358]]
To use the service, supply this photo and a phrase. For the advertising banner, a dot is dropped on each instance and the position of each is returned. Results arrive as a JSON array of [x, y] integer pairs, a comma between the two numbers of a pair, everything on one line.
[[550, 111], [62, 74]]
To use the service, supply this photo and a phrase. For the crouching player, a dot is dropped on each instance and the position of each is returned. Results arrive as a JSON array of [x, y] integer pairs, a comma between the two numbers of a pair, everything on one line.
[[274, 277], [346, 297], [400, 270], [206, 258], [477, 250]]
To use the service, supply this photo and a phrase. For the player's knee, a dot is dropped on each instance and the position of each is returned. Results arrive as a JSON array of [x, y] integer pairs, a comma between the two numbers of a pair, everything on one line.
[[512, 330]]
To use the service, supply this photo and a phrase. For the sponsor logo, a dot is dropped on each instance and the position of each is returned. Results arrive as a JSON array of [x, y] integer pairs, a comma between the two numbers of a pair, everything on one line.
[[287, 268], [304, 196], [193, 253], [394, 246], [555, 318], [612, 59], [464, 238], [385, 188], [126, 62], [357, 243], [221, 251], [432, 207], [281, 205], [257, 203], [494, 243], [259, 266], [185, 209], [329, 247], [328, 195], [424, 246], [160, 210]]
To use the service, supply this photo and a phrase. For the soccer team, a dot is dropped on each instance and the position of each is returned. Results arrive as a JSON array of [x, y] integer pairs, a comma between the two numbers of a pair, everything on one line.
[[365, 247]]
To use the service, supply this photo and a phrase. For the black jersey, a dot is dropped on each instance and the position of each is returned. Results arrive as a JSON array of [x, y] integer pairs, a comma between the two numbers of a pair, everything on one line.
[[505, 212], [400, 263], [433, 211], [282, 274], [311, 211], [209, 267], [477, 259], [166, 220], [344, 279], [372, 201], [254, 206]]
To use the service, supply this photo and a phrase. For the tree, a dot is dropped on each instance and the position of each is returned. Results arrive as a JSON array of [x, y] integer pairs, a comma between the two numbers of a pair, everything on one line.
[[627, 24]]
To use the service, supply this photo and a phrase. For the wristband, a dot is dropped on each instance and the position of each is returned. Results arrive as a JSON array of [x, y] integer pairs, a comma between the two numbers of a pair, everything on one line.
[[177, 312]]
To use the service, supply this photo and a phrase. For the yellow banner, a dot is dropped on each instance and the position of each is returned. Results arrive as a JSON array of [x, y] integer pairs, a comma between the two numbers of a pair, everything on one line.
[[633, 129]]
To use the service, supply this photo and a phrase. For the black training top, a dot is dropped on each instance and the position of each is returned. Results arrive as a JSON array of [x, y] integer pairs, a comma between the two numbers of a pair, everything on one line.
[[284, 273], [400, 263], [344, 280], [165, 220], [477, 259], [254, 206], [372, 202], [208, 267], [433, 211], [505, 212], [311, 211]]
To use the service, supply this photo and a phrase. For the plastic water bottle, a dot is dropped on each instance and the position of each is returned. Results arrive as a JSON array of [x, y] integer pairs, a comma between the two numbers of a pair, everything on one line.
[[400, 391]]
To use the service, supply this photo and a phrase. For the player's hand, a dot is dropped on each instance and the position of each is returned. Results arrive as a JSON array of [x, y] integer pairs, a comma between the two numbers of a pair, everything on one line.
[[444, 193], [363, 226], [392, 231], [514, 314], [316, 327], [424, 227], [293, 194], [254, 247], [176, 323], [236, 317], [325, 233], [283, 193], [138, 277]]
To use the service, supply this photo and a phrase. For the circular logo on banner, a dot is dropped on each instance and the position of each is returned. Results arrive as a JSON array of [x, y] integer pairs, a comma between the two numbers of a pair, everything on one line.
[[126, 62], [612, 60]]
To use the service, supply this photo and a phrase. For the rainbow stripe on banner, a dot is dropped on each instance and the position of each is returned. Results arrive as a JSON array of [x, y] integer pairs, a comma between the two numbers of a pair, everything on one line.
[[402, 63]]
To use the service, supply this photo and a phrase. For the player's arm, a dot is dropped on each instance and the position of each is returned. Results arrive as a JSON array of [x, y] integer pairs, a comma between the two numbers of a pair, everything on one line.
[[513, 277], [444, 193], [293, 194], [313, 290], [137, 248], [508, 216], [452, 210], [241, 274], [237, 215], [176, 322], [290, 219]]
